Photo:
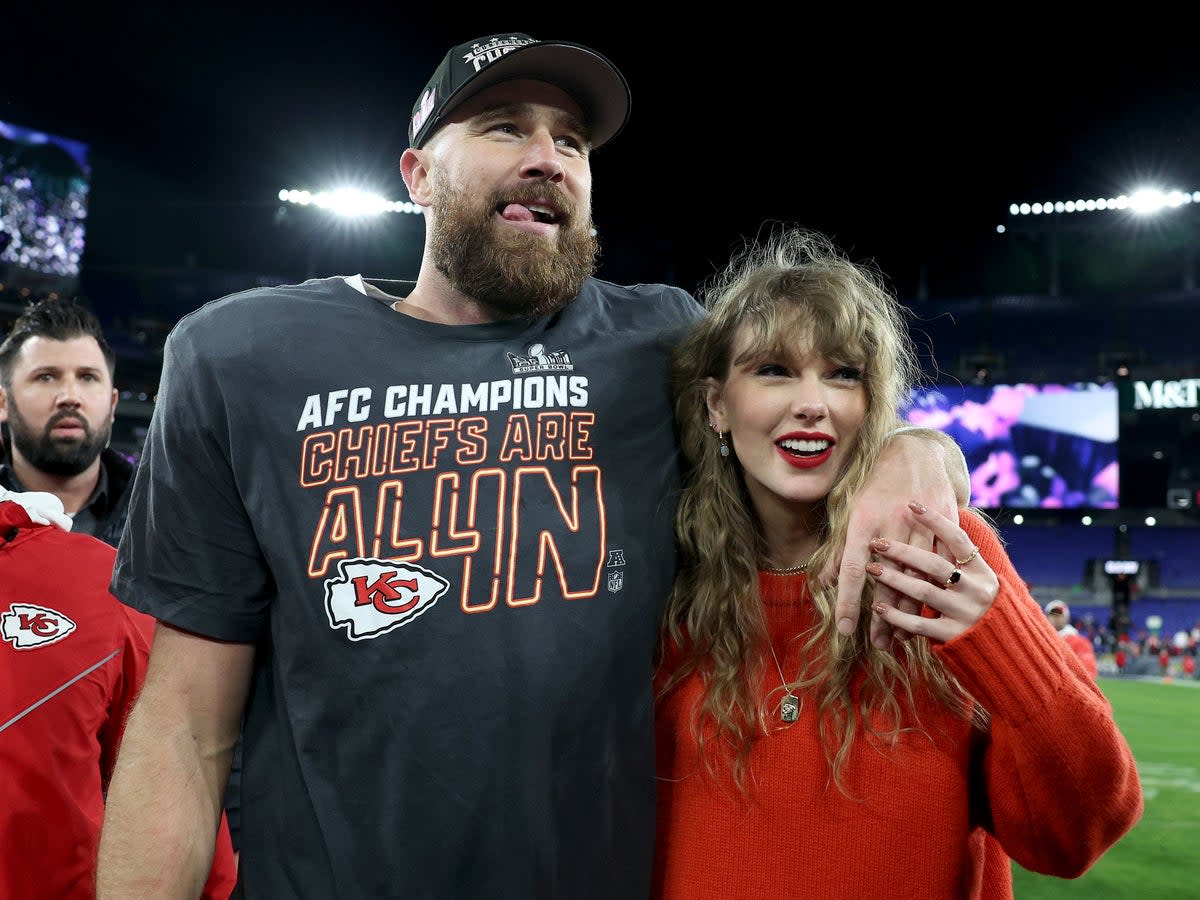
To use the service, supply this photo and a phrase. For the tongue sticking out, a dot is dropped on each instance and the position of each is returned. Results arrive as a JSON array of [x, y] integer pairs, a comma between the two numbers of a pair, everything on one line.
[[515, 212]]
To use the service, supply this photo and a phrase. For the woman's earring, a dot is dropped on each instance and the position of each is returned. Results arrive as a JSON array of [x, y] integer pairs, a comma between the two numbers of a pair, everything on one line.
[[724, 449]]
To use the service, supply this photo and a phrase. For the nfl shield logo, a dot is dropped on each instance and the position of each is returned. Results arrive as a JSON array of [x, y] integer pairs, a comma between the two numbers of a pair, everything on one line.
[[615, 580]]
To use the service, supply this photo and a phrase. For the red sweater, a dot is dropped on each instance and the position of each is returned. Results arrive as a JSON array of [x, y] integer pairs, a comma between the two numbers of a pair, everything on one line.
[[1052, 785], [72, 658]]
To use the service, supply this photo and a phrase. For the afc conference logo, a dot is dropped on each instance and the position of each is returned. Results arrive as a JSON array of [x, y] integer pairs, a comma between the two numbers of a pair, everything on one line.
[[26, 626], [616, 579]]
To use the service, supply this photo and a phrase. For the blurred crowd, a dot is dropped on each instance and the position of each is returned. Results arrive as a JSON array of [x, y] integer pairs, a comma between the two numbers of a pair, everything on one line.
[[1142, 651]]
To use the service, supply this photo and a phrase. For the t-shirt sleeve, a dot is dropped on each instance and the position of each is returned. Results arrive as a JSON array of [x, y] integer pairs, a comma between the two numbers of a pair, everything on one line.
[[686, 306], [678, 311], [189, 555]]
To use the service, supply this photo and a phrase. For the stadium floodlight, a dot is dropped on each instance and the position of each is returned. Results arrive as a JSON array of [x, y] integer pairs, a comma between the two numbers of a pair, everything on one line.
[[1144, 201], [348, 202]]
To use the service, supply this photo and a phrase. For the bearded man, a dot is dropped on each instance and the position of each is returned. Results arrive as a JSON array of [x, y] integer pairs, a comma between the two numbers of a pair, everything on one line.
[[415, 537], [57, 402]]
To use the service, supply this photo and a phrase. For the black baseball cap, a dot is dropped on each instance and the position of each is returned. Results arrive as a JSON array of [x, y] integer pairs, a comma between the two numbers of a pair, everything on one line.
[[595, 83]]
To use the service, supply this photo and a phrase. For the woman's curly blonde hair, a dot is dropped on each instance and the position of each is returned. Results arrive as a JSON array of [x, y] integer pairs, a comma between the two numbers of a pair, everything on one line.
[[793, 290]]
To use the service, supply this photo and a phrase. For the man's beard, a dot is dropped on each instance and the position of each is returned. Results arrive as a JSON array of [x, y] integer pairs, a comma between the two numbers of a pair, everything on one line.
[[516, 275], [56, 456]]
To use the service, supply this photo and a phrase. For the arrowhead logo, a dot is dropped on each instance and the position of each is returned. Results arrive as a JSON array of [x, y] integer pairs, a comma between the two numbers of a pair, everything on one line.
[[371, 597], [27, 626]]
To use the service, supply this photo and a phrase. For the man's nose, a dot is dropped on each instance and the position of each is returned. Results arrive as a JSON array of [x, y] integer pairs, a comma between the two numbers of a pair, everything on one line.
[[70, 393], [541, 159]]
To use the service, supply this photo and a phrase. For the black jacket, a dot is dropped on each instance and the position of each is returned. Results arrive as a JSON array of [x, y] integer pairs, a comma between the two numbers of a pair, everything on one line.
[[111, 508]]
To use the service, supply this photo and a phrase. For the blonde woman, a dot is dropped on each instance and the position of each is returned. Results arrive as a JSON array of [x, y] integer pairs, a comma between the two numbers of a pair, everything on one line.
[[793, 760]]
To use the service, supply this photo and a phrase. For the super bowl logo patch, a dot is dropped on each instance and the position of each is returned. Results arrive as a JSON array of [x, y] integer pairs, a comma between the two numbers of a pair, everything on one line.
[[27, 626], [371, 597], [539, 359]]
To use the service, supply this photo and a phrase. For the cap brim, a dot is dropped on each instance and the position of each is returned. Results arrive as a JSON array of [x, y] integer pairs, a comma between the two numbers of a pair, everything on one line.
[[596, 84]]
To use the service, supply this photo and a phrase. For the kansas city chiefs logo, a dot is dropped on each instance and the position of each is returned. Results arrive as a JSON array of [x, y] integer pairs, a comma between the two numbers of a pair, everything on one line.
[[371, 597], [26, 626]]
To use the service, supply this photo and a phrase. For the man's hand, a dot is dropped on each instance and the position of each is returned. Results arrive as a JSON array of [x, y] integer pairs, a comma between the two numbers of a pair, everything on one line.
[[922, 464]]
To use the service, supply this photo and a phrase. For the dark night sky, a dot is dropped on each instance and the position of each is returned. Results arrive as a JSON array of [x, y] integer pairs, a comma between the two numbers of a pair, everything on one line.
[[903, 140]]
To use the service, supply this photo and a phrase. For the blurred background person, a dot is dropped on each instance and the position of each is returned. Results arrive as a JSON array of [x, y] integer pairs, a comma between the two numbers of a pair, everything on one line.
[[57, 403], [72, 658], [1059, 615], [1140, 662]]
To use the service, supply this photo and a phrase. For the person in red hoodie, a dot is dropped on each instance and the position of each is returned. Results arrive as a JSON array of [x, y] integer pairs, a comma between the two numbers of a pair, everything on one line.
[[795, 761], [72, 658], [1059, 615]]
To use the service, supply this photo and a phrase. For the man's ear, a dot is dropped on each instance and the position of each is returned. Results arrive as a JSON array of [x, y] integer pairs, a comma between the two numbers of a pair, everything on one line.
[[714, 399], [3, 405], [415, 172]]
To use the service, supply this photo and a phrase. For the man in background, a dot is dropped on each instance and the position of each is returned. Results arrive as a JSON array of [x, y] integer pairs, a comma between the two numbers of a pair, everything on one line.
[[1060, 617], [58, 401]]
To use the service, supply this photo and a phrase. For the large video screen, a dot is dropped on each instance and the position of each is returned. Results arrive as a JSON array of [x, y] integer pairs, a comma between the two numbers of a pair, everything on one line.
[[44, 185], [1029, 445]]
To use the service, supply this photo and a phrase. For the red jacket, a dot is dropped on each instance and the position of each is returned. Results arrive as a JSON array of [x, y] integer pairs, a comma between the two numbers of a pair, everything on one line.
[[1083, 649], [72, 658]]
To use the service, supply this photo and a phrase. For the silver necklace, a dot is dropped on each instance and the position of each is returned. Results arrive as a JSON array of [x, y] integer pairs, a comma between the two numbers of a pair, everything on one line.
[[789, 706]]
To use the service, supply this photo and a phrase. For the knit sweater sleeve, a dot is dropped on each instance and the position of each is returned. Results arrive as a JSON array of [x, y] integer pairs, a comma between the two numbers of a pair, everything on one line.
[[1058, 781]]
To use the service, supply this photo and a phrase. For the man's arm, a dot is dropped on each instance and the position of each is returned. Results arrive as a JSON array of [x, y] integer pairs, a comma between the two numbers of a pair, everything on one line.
[[917, 464], [164, 803]]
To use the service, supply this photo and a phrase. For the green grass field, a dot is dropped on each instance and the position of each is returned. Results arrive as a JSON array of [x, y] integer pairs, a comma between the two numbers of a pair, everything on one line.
[[1158, 858]]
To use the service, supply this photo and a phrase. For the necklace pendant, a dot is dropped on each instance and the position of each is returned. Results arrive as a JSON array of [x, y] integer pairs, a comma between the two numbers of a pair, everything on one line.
[[789, 709]]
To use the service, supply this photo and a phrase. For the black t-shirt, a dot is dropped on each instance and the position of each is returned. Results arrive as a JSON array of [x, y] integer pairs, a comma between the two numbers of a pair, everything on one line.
[[451, 545]]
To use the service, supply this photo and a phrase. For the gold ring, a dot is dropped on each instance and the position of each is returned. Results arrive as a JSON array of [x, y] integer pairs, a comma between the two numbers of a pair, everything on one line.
[[959, 563], [953, 579]]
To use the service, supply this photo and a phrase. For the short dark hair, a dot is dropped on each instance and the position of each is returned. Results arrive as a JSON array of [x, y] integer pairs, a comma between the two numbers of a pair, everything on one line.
[[58, 320]]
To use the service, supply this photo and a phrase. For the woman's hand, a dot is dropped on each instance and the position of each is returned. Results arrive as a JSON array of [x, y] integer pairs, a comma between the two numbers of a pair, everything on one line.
[[918, 463], [960, 592]]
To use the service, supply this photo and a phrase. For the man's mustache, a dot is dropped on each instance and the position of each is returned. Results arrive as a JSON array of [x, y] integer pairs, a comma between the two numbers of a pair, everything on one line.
[[66, 415]]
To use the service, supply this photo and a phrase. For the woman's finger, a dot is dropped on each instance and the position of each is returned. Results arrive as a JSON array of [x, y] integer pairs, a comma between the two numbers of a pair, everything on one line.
[[960, 601]]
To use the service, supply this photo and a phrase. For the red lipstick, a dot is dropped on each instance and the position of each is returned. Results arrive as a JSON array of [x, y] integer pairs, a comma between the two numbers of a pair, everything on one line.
[[809, 460]]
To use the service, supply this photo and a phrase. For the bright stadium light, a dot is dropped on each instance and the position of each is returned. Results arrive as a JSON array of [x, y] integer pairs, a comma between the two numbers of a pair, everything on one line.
[[1143, 201], [350, 203]]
